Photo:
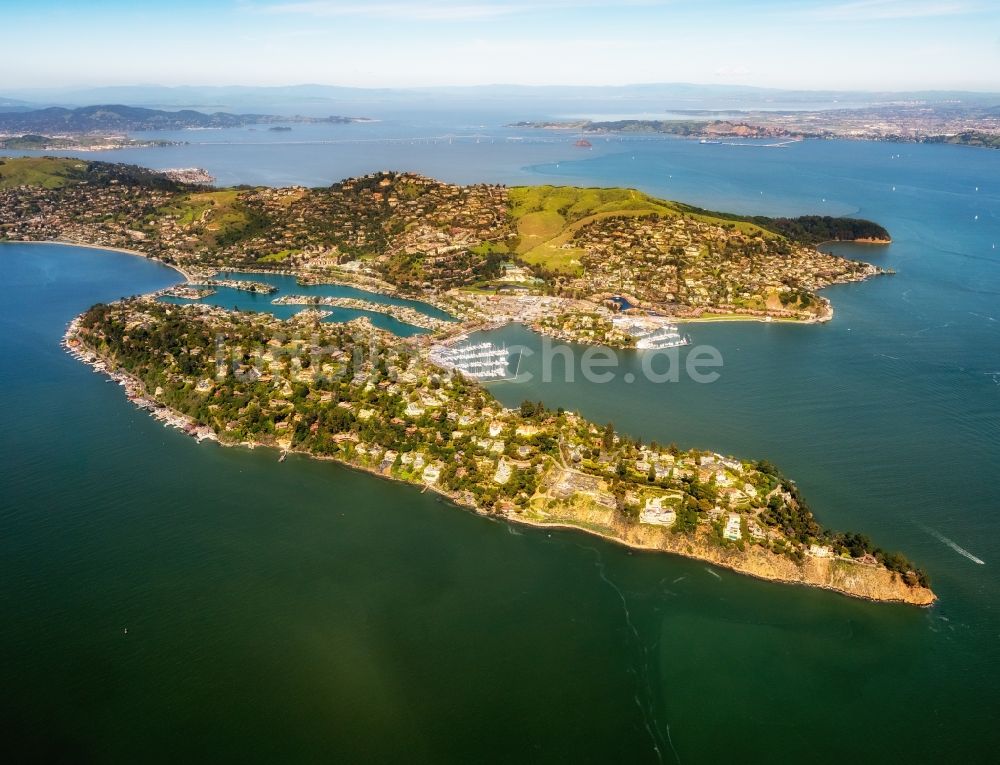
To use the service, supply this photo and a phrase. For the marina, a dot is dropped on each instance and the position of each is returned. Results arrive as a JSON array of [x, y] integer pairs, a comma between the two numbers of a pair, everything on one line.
[[481, 361], [651, 333]]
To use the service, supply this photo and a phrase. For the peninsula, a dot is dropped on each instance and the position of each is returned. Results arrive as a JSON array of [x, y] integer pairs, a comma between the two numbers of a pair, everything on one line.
[[117, 117], [106, 127], [563, 259], [360, 396], [908, 122], [553, 257]]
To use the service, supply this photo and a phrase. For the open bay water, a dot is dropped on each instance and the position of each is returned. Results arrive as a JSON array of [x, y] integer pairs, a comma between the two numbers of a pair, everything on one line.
[[302, 611]]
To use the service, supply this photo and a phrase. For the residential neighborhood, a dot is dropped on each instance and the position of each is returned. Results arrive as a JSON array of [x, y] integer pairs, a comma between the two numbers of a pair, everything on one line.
[[359, 395]]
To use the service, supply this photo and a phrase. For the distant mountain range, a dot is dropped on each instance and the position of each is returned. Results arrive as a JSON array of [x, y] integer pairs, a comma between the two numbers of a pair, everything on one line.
[[532, 102], [118, 118]]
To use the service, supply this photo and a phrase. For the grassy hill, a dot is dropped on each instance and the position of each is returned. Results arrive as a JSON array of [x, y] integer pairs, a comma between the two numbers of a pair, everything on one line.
[[58, 172], [216, 216], [547, 217], [47, 172]]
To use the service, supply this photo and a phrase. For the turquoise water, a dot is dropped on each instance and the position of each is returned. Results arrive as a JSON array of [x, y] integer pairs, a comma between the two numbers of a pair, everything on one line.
[[302, 611], [227, 297]]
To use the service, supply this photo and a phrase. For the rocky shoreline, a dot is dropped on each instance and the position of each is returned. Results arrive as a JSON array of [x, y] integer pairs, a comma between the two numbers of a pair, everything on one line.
[[847, 577], [851, 578], [135, 391]]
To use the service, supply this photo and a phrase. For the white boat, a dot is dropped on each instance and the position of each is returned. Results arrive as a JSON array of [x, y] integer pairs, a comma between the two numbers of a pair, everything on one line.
[[666, 336], [651, 333], [483, 361]]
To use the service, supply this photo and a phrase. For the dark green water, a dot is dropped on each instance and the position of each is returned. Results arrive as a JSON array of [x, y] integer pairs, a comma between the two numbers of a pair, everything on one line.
[[302, 612]]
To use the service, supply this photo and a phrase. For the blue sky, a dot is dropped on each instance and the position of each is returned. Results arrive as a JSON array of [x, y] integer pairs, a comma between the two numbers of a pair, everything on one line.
[[849, 44]]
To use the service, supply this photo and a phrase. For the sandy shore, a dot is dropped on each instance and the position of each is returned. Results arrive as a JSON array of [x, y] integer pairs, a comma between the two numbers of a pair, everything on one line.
[[136, 253], [865, 240]]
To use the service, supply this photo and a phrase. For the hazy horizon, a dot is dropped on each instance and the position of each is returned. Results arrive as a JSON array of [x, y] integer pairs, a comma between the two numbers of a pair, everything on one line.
[[855, 45], [488, 85]]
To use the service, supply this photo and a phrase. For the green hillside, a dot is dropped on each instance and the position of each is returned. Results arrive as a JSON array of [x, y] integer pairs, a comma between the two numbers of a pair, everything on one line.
[[547, 217], [47, 172]]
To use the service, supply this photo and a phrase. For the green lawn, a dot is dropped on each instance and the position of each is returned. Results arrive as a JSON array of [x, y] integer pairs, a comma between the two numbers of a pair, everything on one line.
[[278, 257], [486, 248]]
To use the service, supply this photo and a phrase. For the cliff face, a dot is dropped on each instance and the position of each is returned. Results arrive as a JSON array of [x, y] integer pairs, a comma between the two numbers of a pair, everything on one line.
[[850, 578]]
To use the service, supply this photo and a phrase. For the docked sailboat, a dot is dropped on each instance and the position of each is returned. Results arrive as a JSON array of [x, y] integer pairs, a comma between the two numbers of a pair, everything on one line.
[[651, 332], [665, 336], [482, 361]]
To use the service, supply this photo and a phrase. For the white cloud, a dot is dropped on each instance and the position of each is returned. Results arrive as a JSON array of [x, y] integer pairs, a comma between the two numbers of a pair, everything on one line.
[[886, 10], [437, 10], [423, 12]]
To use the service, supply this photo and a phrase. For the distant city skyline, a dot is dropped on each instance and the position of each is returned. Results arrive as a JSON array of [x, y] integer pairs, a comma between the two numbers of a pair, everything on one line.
[[798, 44]]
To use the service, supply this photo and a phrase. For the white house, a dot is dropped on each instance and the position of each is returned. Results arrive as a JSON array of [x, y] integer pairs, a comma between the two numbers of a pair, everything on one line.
[[504, 472], [732, 531]]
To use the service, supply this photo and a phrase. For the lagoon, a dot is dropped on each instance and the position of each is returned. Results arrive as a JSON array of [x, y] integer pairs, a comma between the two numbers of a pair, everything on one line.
[[227, 297]]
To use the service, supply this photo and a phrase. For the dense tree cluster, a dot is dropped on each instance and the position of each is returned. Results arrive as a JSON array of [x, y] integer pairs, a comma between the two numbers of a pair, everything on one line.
[[813, 229]]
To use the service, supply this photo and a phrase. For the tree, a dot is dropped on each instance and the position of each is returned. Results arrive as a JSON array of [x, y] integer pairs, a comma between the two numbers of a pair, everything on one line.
[[608, 439]]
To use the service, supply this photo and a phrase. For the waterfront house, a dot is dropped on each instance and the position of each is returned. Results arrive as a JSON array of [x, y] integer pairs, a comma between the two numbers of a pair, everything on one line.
[[431, 474], [732, 531], [504, 472]]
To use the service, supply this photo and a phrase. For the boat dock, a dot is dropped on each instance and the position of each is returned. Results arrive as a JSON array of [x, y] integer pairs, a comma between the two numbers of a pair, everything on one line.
[[481, 361]]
